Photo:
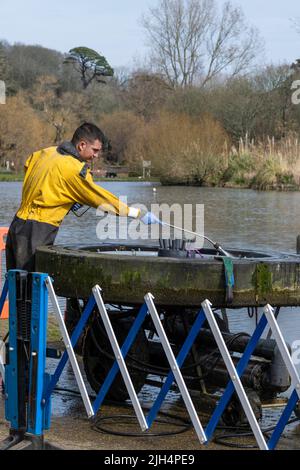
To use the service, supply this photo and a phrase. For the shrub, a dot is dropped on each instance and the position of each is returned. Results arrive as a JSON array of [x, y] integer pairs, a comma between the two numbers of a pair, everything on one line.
[[21, 131], [182, 149], [120, 128]]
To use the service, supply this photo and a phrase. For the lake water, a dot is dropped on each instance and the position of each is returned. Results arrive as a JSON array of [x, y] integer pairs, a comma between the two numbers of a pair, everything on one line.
[[234, 218]]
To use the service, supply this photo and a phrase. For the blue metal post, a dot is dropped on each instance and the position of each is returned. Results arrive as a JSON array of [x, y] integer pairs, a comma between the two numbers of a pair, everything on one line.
[[11, 369], [37, 420], [11, 385], [25, 371]]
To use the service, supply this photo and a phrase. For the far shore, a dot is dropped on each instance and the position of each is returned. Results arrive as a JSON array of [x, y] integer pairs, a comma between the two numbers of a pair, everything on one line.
[[18, 177], [15, 177]]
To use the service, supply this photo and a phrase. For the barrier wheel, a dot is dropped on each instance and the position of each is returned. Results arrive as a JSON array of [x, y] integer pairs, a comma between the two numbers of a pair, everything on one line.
[[98, 357]]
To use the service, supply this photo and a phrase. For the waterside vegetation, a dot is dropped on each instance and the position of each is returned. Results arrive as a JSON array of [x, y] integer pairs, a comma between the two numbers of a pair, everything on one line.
[[214, 119]]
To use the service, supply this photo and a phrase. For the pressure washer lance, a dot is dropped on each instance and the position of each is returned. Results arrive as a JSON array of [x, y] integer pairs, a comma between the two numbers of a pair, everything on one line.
[[215, 244]]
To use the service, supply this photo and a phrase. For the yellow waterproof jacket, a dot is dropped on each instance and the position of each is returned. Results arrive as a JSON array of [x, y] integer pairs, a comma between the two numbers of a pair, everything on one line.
[[54, 182]]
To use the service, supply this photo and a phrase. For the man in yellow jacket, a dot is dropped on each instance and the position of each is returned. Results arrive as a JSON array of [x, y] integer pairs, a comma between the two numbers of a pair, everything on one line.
[[58, 179]]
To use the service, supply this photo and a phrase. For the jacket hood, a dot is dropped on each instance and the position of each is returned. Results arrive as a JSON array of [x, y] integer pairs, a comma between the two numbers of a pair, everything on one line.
[[67, 148]]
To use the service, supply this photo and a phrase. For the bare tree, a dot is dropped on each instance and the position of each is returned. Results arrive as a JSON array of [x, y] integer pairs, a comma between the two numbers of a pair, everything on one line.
[[145, 93], [192, 43], [275, 84], [60, 110]]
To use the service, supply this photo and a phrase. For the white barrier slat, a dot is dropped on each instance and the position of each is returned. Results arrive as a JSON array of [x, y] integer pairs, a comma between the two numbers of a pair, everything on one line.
[[269, 312], [175, 369], [69, 349], [119, 358], [206, 305]]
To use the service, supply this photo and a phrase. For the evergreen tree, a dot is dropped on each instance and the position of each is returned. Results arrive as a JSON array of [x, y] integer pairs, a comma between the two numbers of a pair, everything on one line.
[[89, 64]]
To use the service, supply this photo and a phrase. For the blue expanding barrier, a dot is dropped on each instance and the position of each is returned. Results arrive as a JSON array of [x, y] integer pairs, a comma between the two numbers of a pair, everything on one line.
[[28, 300], [24, 373]]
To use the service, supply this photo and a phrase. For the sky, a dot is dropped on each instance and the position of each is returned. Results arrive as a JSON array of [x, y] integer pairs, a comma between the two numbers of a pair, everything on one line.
[[112, 27]]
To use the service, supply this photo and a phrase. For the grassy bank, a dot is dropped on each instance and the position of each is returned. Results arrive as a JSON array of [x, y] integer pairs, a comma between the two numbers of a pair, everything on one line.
[[127, 179], [20, 177], [265, 165], [53, 331], [269, 178], [11, 176], [268, 165]]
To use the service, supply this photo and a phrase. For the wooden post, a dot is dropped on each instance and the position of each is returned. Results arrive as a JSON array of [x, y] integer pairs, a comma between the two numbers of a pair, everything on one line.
[[298, 245]]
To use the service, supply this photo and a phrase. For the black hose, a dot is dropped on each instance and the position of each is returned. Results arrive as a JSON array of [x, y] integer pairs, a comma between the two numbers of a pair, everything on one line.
[[220, 439], [174, 421], [185, 423]]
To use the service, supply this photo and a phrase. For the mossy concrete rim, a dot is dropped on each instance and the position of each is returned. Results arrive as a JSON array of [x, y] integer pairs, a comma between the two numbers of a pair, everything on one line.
[[182, 282]]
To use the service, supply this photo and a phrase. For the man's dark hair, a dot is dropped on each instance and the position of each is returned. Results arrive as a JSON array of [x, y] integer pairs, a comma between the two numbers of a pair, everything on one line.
[[89, 132]]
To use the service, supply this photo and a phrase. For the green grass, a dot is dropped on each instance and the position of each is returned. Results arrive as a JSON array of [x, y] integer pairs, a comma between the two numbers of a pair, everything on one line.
[[53, 331], [11, 176], [126, 179], [20, 176], [235, 176]]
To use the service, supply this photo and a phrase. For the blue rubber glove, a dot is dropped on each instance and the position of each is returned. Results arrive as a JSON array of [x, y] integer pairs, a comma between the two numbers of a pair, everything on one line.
[[150, 218], [76, 207]]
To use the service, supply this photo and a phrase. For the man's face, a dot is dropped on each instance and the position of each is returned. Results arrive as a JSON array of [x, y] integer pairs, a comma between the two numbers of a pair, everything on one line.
[[89, 150]]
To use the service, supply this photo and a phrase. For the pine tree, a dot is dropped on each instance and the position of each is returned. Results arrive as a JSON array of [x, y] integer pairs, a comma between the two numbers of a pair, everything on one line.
[[90, 65]]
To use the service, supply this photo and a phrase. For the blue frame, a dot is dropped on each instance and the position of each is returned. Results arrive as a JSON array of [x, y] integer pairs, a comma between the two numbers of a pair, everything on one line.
[[11, 375], [38, 342], [46, 386], [38, 345], [223, 402]]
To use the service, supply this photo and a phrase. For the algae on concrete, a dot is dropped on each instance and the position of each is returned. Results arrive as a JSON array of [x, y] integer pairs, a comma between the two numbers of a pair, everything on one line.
[[262, 280]]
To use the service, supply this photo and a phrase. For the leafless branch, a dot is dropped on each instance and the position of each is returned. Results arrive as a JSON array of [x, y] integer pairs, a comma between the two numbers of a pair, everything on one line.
[[190, 41]]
